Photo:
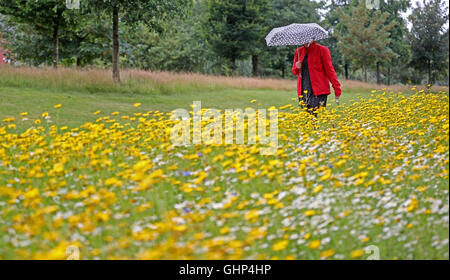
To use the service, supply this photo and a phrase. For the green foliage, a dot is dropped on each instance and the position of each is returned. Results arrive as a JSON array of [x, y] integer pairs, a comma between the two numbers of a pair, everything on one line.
[[47, 17], [397, 66], [20, 37], [429, 39], [41, 14], [226, 37], [332, 22], [133, 12], [179, 48], [281, 13], [87, 38], [365, 39], [233, 28]]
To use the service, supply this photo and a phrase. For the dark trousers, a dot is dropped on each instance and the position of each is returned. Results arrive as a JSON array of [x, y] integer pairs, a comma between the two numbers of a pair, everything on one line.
[[311, 102]]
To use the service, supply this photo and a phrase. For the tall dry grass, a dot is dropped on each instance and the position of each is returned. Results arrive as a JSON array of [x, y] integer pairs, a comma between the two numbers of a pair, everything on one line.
[[138, 81]]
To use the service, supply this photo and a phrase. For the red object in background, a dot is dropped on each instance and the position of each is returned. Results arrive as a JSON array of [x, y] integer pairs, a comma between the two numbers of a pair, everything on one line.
[[321, 70], [2, 51], [2, 56]]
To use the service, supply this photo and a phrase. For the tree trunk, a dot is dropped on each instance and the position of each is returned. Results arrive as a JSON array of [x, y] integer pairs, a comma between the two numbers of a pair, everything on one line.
[[55, 44], [255, 65], [79, 63], [429, 72], [365, 73], [233, 67], [283, 68], [115, 57], [346, 70], [389, 76], [378, 73]]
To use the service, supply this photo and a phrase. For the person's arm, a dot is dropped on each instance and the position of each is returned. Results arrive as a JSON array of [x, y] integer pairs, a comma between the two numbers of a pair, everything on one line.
[[295, 70], [329, 71]]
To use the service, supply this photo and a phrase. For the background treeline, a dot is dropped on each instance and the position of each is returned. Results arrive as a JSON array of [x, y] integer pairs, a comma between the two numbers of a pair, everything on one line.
[[226, 37]]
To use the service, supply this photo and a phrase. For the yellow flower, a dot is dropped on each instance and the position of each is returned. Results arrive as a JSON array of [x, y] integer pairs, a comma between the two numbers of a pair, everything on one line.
[[326, 176], [280, 245], [327, 253], [224, 230], [31, 193], [137, 104], [57, 106], [252, 214], [57, 253], [314, 244], [356, 254], [180, 228], [113, 181], [58, 167], [414, 203], [318, 188], [310, 213], [11, 119], [102, 216], [422, 189]]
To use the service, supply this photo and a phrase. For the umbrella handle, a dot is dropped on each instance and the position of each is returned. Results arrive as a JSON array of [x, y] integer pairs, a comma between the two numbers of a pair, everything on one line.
[[298, 59]]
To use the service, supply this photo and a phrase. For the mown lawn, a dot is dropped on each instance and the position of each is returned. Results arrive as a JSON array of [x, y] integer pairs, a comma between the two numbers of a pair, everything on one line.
[[80, 106], [371, 172]]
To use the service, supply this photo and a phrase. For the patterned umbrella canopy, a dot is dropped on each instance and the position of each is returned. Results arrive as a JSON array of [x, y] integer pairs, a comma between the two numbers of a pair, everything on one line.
[[296, 34]]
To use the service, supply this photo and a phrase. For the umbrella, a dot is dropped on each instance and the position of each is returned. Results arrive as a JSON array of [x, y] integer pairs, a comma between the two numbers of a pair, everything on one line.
[[296, 34]]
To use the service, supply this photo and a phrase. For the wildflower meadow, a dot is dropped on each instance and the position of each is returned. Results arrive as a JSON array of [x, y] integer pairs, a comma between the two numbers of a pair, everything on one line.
[[365, 179]]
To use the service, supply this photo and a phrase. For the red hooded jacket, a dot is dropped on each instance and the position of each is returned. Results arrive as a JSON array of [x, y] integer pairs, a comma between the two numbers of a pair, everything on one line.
[[320, 67]]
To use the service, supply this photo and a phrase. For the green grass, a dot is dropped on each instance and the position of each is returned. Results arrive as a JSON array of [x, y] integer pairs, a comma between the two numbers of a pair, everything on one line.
[[83, 92], [78, 107]]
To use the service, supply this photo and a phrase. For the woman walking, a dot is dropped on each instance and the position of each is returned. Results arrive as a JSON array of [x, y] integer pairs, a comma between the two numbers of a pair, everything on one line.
[[314, 68]]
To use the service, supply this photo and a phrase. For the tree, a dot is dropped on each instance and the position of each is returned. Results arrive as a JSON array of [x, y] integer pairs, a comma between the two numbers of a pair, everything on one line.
[[25, 44], [398, 41], [366, 38], [332, 22], [179, 47], [429, 39], [45, 16], [86, 38], [232, 28], [282, 13], [259, 12], [132, 12]]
